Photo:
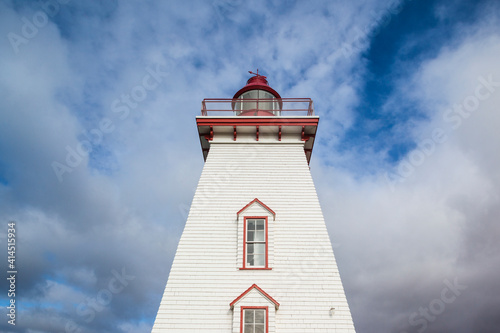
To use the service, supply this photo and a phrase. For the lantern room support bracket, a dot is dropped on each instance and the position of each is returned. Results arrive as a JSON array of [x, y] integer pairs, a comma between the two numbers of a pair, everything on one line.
[[210, 135], [304, 137]]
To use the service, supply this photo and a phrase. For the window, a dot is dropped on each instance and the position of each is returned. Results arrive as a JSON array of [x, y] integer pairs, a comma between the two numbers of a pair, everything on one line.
[[255, 242], [255, 236], [252, 308], [257, 100], [254, 320]]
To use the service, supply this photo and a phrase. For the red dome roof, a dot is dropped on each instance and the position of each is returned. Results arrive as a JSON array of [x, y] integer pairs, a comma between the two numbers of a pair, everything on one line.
[[257, 82]]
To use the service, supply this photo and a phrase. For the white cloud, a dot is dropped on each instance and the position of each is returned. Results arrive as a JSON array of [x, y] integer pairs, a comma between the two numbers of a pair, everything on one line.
[[125, 205], [406, 235]]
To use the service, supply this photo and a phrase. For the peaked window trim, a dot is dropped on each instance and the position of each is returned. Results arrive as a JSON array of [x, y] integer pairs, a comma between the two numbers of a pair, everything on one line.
[[262, 292], [260, 203]]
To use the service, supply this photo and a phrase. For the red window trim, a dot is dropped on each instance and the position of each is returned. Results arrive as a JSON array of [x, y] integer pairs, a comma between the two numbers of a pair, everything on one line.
[[266, 267], [254, 307], [260, 203], [266, 295]]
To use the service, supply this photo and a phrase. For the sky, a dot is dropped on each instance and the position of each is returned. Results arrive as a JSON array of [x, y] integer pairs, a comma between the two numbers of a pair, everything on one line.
[[99, 154]]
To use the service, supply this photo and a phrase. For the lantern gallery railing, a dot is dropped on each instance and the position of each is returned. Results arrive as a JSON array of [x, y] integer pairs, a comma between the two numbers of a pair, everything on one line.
[[257, 107]]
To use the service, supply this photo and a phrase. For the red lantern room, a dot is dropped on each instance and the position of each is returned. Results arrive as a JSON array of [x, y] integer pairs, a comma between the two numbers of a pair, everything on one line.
[[257, 113], [257, 98]]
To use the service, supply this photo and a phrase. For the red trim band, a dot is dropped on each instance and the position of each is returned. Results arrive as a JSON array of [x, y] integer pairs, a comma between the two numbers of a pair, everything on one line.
[[252, 121]]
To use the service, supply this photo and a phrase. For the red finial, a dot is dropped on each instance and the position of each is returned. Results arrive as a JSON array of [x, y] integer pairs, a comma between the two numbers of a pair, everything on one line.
[[257, 74]]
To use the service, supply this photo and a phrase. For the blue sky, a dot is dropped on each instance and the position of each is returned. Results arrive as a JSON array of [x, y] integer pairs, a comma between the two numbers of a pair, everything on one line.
[[406, 160]]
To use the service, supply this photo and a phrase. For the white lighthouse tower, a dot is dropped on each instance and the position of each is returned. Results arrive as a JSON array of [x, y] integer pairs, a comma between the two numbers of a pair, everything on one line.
[[255, 255]]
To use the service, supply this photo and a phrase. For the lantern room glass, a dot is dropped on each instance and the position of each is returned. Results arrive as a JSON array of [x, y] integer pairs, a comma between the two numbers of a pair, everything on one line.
[[257, 100]]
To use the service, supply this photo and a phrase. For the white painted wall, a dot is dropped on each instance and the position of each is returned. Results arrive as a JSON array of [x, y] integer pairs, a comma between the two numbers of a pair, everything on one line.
[[205, 276]]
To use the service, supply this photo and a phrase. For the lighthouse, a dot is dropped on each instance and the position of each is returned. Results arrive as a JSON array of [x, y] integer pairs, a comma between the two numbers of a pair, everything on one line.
[[255, 255]]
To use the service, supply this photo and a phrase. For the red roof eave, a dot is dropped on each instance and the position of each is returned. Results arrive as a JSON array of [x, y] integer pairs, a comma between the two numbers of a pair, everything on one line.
[[253, 121]]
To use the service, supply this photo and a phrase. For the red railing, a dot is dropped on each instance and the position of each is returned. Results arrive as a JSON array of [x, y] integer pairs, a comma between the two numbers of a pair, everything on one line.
[[274, 106]]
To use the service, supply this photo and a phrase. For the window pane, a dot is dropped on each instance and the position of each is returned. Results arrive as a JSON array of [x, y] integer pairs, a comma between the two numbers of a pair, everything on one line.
[[251, 225], [266, 105], [270, 105], [259, 328], [248, 328], [259, 249], [250, 260], [251, 94], [260, 224], [250, 236], [259, 236], [249, 316], [259, 316], [259, 260], [265, 94], [250, 248]]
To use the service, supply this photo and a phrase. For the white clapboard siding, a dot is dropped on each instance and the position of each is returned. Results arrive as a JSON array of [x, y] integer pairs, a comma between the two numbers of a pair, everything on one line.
[[205, 276]]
